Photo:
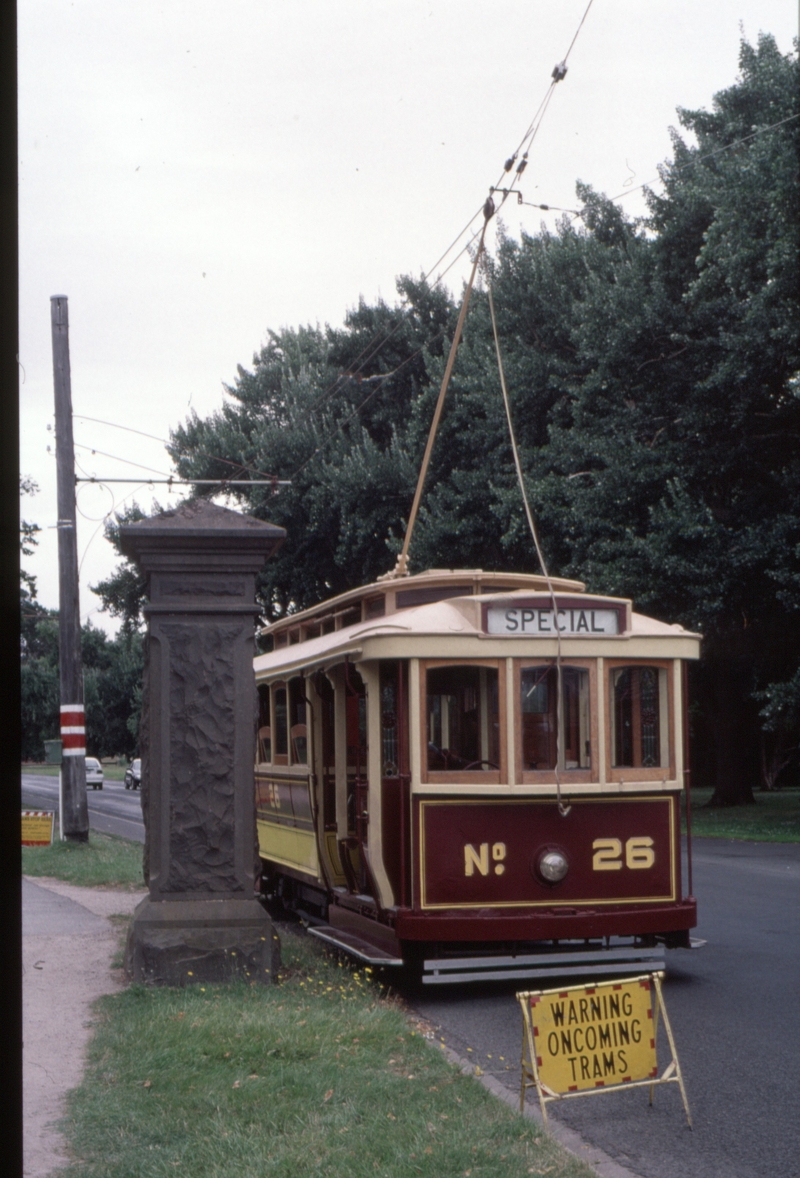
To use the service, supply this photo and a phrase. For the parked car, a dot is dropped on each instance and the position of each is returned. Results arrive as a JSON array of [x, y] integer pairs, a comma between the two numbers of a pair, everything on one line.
[[133, 774], [94, 773]]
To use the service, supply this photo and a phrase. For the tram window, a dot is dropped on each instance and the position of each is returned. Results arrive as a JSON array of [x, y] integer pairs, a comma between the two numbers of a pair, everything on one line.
[[264, 743], [407, 598], [281, 639], [356, 722], [281, 733], [356, 732], [639, 717], [351, 617], [298, 731], [375, 607], [463, 718], [538, 698]]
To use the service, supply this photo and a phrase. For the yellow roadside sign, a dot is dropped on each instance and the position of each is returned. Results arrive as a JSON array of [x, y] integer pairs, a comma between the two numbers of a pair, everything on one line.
[[37, 828], [595, 1038]]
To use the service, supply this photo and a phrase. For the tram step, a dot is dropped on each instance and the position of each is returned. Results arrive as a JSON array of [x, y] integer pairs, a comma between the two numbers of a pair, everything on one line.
[[576, 963], [354, 945]]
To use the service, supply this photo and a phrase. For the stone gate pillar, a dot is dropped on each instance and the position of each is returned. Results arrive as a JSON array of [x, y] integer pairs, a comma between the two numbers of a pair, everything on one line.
[[201, 921]]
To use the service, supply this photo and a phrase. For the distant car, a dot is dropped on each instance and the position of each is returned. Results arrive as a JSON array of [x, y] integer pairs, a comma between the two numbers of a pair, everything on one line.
[[94, 773], [133, 774]]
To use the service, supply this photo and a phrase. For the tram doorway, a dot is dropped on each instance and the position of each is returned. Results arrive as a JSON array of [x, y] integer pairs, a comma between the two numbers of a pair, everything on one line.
[[351, 781]]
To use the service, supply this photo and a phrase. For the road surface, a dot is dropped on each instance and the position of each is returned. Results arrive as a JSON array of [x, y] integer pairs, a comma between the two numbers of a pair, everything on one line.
[[112, 809], [733, 1005]]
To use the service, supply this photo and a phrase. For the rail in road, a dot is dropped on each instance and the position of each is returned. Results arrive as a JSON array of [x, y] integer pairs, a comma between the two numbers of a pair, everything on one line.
[[733, 1009], [112, 810]]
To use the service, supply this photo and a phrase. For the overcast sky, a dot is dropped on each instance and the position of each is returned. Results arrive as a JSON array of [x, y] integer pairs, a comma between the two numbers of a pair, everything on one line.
[[193, 174]]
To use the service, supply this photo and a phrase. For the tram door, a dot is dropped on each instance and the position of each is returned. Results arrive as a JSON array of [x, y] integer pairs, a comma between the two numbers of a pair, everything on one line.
[[326, 770], [352, 847]]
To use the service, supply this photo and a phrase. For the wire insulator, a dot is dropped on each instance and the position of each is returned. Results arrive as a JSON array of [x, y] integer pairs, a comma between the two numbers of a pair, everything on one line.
[[509, 164], [559, 72], [521, 166], [488, 208]]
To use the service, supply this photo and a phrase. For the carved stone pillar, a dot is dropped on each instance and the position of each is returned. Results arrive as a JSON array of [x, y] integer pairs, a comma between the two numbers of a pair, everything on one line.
[[201, 921]]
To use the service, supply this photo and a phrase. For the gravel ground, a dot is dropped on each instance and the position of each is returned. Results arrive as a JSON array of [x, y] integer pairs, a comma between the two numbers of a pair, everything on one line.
[[68, 942]]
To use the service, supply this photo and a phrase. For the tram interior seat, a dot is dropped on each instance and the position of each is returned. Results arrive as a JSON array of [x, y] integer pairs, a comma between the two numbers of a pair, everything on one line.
[[264, 744], [299, 735]]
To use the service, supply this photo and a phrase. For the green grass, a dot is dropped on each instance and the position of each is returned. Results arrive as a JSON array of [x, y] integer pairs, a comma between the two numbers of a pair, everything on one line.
[[110, 772], [105, 861], [318, 1076], [774, 818]]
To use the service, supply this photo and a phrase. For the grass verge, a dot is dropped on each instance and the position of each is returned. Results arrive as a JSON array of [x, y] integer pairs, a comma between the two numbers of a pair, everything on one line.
[[774, 818], [105, 861], [320, 1076], [40, 769]]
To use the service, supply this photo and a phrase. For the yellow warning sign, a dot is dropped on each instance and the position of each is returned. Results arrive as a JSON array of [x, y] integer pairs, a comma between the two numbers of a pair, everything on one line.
[[37, 828], [595, 1038]]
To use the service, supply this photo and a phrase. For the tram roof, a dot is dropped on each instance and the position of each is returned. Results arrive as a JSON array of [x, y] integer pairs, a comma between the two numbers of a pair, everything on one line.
[[405, 592], [455, 619]]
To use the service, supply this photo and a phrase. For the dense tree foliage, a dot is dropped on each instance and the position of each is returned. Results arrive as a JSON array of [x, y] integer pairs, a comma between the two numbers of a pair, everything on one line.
[[112, 685], [112, 673], [653, 371]]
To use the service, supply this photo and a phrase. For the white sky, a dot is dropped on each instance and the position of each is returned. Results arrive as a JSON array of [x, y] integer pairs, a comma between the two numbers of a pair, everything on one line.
[[194, 173]]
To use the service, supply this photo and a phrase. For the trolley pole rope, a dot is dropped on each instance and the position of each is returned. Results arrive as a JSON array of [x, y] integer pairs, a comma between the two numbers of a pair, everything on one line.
[[401, 568], [562, 808]]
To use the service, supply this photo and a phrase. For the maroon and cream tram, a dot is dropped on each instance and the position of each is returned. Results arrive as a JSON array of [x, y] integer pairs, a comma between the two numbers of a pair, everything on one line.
[[425, 798]]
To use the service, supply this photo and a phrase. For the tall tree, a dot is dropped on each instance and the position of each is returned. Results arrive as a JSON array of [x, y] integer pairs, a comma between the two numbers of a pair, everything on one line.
[[654, 378]]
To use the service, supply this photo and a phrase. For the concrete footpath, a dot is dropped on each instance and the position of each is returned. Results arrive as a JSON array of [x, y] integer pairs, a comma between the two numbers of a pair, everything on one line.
[[68, 942]]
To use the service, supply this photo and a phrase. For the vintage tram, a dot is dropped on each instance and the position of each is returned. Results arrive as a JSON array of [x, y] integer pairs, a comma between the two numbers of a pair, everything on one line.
[[477, 775]]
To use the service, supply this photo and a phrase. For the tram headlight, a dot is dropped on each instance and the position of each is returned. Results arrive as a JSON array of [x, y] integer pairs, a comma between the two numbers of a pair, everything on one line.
[[553, 866]]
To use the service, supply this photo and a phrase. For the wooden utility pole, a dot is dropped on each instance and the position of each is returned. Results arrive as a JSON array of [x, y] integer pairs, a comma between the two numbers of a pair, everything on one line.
[[74, 807]]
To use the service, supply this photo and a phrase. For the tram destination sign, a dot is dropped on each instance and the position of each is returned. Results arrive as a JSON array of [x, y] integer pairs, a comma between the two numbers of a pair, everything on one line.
[[588, 620]]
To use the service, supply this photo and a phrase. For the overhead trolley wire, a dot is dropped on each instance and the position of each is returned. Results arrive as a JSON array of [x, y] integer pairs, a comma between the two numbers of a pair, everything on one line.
[[366, 355], [673, 168], [378, 342], [242, 467]]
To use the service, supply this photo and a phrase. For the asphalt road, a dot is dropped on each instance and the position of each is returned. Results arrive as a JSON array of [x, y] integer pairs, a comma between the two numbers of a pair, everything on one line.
[[735, 1013], [112, 809]]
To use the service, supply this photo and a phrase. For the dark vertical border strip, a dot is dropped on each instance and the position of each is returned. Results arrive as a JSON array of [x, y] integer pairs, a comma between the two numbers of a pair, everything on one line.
[[11, 744]]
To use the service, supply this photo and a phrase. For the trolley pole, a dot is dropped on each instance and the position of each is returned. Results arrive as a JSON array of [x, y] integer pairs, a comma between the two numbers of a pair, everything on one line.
[[74, 807]]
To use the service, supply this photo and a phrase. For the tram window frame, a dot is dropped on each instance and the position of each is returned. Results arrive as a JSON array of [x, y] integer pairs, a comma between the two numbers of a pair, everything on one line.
[[548, 776], [279, 758], [667, 768], [476, 776], [297, 706], [264, 694]]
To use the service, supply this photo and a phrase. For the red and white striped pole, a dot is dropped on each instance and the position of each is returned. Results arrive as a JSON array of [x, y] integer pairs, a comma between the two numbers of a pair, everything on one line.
[[73, 806], [73, 730]]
